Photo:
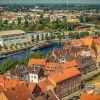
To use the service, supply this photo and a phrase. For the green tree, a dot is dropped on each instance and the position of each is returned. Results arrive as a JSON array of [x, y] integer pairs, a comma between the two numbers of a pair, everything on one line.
[[94, 47]]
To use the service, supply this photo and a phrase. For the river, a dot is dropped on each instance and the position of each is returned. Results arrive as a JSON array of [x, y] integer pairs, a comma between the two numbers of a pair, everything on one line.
[[26, 53]]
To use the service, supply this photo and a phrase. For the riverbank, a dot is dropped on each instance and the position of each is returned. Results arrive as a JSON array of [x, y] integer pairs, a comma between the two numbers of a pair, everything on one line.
[[11, 51], [26, 53]]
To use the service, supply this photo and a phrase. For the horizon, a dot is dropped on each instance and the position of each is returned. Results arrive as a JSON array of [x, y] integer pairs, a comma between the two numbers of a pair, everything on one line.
[[49, 2]]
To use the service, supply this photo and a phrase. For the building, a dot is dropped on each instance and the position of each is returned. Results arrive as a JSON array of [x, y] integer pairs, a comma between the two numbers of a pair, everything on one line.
[[66, 82], [14, 37], [20, 92], [39, 36]]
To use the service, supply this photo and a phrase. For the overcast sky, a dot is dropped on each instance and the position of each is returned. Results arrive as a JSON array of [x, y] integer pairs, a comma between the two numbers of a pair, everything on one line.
[[51, 1]]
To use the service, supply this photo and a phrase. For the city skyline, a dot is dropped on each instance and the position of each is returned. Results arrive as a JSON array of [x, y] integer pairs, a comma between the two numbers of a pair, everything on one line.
[[51, 1]]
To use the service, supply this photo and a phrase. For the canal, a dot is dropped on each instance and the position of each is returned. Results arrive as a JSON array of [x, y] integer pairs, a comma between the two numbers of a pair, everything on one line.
[[26, 53]]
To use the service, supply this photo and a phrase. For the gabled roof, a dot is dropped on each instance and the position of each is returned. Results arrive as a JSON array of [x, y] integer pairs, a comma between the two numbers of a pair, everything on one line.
[[43, 86], [63, 75], [89, 97], [31, 86], [21, 92], [9, 83], [69, 64], [33, 61]]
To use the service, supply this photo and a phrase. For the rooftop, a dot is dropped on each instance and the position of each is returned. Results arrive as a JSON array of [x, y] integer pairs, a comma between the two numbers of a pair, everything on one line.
[[89, 97], [63, 75], [11, 32]]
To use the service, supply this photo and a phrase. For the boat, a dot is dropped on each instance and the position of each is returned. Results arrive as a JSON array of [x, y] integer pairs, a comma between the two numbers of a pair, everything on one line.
[[41, 47], [2, 56]]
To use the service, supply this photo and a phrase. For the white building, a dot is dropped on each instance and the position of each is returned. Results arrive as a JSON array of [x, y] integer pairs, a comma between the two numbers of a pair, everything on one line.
[[14, 37]]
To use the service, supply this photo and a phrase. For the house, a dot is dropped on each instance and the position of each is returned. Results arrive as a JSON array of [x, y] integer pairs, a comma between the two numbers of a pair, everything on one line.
[[20, 92], [87, 64], [66, 82], [34, 61], [9, 83]]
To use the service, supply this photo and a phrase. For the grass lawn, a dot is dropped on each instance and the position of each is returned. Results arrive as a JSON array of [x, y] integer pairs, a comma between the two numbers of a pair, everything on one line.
[[93, 80]]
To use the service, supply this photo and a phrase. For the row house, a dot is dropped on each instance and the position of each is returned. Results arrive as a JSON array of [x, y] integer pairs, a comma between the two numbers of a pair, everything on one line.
[[87, 64], [96, 43], [66, 82]]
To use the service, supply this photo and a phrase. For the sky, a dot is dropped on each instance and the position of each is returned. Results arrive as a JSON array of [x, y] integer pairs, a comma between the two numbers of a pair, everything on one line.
[[51, 1]]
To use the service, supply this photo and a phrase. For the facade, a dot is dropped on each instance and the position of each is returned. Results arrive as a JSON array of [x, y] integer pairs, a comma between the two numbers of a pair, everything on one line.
[[38, 36], [66, 82], [87, 64], [14, 37]]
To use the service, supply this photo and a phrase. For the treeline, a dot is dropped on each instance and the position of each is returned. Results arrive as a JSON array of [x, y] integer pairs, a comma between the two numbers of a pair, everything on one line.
[[42, 24], [78, 35]]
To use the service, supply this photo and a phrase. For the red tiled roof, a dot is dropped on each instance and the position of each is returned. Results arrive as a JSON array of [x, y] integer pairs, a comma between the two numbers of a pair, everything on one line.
[[9, 94], [1, 88], [31, 86], [9, 83], [51, 66], [72, 63], [89, 97], [36, 61], [21, 92], [88, 41], [43, 86], [96, 41], [77, 42], [65, 74]]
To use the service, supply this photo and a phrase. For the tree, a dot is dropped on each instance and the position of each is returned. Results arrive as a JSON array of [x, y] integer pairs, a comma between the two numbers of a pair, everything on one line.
[[94, 47], [37, 54], [48, 53], [19, 20]]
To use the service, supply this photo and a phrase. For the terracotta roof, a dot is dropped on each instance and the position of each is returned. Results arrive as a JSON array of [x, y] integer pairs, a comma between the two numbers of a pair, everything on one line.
[[31, 86], [9, 94], [65, 74], [43, 86], [89, 97], [21, 92], [1, 88], [9, 83], [36, 61], [51, 66], [96, 41], [88, 41], [77, 42], [69, 64]]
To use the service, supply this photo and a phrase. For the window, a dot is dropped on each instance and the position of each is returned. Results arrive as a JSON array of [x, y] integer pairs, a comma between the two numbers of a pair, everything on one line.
[[35, 77], [31, 76]]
